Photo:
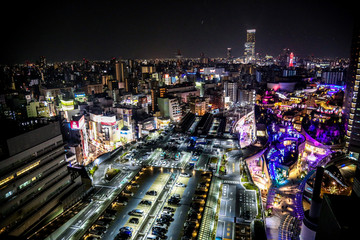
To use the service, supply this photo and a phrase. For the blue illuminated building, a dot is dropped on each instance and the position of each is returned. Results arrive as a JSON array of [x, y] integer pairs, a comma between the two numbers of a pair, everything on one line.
[[285, 146]]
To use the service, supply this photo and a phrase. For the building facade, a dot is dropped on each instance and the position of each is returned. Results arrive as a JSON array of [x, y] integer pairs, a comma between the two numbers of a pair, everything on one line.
[[250, 46], [352, 99], [35, 180]]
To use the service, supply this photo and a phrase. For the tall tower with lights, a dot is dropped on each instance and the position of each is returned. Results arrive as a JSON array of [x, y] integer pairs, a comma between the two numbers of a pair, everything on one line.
[[250, 46], [228, 53]]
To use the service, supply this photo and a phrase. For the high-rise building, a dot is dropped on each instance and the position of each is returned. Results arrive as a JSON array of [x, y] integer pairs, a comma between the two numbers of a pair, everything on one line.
[[284, 57], [352, 99], [230, 91], [228, 53], [250, 46], [120, 71], [291, 59], [174, 109], [246, 97]]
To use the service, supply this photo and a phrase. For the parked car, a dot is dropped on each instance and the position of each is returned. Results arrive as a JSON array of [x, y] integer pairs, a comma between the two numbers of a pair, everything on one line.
[[162, 221], [134, 220], [151, 193], [152, 237], [146, 202], [180, 184], [173, 201], [162, 225], [176, 195], [125, 233], [121, 200], [167, 217], [127, 193], [169, 209], [185, 175], [99, 228], [168, 213], [136, 212]]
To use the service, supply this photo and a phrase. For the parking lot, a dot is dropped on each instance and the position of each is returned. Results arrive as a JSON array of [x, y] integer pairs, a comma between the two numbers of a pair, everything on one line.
[[157, 198], [150, 179], [192, 192]]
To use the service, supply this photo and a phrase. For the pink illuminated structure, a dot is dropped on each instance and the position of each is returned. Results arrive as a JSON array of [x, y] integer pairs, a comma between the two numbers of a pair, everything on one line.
[[291, 60]]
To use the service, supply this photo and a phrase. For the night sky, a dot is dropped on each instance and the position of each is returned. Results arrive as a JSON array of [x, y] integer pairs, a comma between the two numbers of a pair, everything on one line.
[[99, 30]]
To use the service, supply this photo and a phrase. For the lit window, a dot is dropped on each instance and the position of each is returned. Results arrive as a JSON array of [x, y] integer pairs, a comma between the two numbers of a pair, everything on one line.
[[24, 184], [27, 168], [8, 194], [5, 180]]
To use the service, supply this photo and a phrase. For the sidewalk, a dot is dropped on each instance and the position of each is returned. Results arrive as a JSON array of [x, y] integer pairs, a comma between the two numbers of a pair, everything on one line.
[[208, 221]]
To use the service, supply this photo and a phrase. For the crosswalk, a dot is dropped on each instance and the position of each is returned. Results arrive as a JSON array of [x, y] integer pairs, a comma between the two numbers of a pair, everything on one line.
[[230, 182]]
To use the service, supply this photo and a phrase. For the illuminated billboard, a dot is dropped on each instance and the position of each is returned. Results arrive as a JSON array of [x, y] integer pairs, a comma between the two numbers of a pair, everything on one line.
[[108, 120], [67, 105], [78, 124]]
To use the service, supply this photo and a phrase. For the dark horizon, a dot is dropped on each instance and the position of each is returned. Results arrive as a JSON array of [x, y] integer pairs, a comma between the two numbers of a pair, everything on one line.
[[142, 30]]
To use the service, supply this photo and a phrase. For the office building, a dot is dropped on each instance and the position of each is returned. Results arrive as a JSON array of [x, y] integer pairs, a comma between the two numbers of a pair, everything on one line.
[[35, 180], [120, 71], [246, 97], [90, 89], [163, 104], [250, 46], [199, 105], [230, 92], [336, 77], [174, 110]]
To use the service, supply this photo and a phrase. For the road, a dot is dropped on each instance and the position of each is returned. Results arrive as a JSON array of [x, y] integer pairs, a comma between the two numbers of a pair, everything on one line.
[[176, 227], [101, 194], [237, 204]]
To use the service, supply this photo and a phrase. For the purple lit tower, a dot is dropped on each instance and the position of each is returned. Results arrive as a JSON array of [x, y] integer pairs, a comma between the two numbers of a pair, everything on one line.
[[310, 221]]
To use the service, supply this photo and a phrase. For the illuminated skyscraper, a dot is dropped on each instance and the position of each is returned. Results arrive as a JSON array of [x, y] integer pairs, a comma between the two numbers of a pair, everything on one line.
[[250, 46], [352, 100], [291, 60], [228, 53]]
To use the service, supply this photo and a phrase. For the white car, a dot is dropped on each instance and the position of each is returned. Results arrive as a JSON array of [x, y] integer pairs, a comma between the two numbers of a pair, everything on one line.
[[185, 175], [180, 184]]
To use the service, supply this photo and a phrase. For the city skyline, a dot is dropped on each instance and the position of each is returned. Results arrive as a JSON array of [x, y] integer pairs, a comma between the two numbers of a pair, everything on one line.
[[72, 31]]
